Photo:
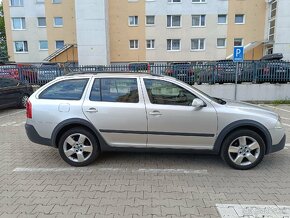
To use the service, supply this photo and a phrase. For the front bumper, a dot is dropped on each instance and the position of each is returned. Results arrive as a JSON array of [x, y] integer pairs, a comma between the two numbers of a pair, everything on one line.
[[278, 146], [35, 137]]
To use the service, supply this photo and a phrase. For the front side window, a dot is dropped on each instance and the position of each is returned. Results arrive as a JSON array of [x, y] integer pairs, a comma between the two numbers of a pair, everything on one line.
[[59, 44], [173, 44], [238, 42], [65, 90], [58, 21], [222, 19], [16, 3], [150, 20], [21, 46], [134, 44], [197, 44], [41, 22], [18, 23], [173, 20], [198, 20], [240, 19], [115, 90], [133, 21], [163, 92]]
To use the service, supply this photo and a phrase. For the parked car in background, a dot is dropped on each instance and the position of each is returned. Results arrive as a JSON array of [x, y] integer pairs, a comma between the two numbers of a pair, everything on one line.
[[182, 71], [141, 67], [48, 71], [88, 113], [14, 93]]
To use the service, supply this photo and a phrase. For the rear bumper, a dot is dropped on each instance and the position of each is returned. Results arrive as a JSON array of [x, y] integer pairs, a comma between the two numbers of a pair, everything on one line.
[[278, 146], [35, 137]]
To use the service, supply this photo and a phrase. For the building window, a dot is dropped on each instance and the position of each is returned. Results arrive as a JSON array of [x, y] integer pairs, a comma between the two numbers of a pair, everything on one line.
[[150, 20], [56, 1], [173, 20], [238, 42], [39, 1], [16, 3], [59, 44], [134, 44], [239, 19], [198, 1], [174, 1], [133, 20], [21, 46], [173, 44], [41, 22], [197, 44], [57, 21], [221, 42], [43, 45], [150, 44], [198, 20], [18, 23], [222, 19]]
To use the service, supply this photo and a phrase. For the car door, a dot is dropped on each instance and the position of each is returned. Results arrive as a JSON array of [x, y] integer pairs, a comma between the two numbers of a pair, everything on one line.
[[116, 108], [10, 92], [172, 120]]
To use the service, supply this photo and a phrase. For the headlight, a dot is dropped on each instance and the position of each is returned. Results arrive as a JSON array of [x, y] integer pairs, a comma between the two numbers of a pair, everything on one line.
[[278, 124]]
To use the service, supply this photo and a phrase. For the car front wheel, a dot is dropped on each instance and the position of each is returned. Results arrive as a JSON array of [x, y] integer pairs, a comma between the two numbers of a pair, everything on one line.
[[78, 147], [243, 149]]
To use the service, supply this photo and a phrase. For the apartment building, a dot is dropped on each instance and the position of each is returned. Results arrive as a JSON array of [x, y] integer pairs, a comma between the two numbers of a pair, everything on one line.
[[121, 31]]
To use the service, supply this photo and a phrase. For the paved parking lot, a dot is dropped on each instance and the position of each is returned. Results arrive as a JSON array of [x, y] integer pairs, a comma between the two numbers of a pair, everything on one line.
[[35, 182]]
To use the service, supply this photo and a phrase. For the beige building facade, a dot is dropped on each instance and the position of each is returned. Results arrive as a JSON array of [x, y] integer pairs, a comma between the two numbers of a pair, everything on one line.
[[111, 31]]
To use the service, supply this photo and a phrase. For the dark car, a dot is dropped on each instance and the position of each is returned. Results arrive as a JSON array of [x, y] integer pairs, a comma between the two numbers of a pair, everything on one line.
[[182, 71], [14, 93]]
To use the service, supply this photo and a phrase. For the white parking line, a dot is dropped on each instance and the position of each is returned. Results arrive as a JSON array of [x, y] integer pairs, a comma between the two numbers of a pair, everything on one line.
[[237, 210], [277, 108], [122, 170], [284, 118], [286, 124], [7, 124], [18, 112], [287, 145]]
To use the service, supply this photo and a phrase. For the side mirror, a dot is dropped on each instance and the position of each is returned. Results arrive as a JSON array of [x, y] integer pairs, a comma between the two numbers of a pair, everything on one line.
[[197, 103]]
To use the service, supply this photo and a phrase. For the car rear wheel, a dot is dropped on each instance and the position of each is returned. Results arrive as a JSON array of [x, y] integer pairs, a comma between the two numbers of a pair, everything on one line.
[[23, 101], [78, 147], [243, 149]]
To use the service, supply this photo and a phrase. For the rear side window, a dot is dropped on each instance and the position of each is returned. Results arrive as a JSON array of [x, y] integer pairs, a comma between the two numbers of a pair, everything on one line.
[[115, 90], [65, 90]]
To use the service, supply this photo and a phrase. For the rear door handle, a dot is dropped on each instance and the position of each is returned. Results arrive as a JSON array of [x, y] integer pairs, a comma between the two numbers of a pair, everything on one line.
[[92, 110], [155, 113]]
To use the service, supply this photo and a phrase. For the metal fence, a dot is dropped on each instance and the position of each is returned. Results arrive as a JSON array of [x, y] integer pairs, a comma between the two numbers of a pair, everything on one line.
[[191, 73]]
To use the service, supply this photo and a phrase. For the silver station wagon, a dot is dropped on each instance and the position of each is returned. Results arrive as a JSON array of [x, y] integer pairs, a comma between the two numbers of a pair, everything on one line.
[[85, 114]]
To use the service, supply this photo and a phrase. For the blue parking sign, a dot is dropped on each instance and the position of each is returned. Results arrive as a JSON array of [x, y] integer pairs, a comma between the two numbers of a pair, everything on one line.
[[238, 54]]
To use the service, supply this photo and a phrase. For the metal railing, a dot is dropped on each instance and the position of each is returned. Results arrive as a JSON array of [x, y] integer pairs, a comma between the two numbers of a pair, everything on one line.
[[191, 73]]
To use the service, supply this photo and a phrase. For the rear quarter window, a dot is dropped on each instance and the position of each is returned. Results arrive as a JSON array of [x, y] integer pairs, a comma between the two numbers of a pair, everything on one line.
[[65, 90]]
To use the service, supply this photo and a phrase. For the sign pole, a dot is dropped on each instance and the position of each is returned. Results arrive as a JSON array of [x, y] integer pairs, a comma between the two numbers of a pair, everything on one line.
[[238, 57], [236, 80]]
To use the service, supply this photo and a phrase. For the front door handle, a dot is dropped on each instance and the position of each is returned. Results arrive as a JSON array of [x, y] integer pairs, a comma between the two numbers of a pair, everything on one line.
[[92, 110], [155, 113]]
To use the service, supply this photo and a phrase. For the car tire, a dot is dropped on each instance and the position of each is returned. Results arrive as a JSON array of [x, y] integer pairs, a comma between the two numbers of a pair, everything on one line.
[[243, 149], [23, 101], [78, 147]]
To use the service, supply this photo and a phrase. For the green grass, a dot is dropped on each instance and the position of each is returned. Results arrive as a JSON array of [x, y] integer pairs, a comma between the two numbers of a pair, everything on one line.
[[277, 102]]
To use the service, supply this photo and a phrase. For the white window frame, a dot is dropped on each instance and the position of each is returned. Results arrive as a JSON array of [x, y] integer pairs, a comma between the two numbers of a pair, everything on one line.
[[136, 21], [23, 43], [242, 41], [39, 45], [136, 42], [224, 46], [151, 42], [171, 43], [171, 19], [244, 19], [55, 24], [56, 43], [23, 23], [20, 3], [199, 43], [54, 1], [200, 16], [146, 20], [174, 1], [198, 1], [38, 22], [222, 15]]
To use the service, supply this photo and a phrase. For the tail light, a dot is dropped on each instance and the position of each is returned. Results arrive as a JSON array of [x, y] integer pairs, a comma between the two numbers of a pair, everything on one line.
[[29, 110]]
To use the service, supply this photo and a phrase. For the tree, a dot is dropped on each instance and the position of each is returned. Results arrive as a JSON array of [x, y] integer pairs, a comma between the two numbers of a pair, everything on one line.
[[3, 44]]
